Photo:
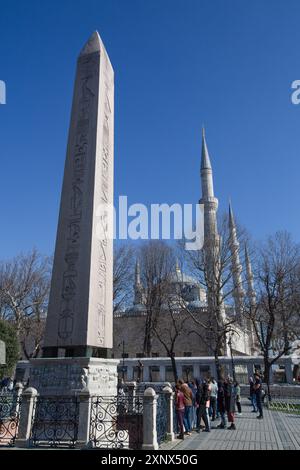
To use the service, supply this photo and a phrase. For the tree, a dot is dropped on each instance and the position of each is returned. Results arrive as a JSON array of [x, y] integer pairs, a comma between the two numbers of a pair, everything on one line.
[[276, 314], [32, 334], [122, 275], [24, 292], [9, 336], [157, 265], [169, 327]]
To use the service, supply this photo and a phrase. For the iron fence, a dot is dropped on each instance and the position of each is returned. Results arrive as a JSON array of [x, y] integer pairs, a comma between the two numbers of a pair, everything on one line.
[[54, 422], [175, 419], [161, 417], [286, 404], [116, 422], [10, 404]]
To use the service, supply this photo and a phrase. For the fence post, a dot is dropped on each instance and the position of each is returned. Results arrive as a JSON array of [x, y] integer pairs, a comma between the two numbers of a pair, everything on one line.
[[149, 420], [131, 395], [26, 417], [19, 390], [170, 410], [84, 415]]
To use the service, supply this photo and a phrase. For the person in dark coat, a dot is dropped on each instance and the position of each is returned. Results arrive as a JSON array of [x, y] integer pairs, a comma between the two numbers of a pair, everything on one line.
[[221, 404], [230, 401], [202, 404], [237, 390], [252, 395], [258, 394]]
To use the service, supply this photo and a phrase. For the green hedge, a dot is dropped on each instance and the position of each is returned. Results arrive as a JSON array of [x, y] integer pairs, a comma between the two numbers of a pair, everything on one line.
[[9, 336]]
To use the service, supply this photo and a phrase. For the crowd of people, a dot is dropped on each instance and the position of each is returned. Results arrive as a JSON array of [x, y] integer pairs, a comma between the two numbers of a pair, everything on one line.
[[200, 402]]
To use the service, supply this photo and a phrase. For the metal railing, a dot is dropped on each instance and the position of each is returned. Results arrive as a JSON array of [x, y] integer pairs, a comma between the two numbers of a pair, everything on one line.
[[54, 422], [161, 417], [10, 404], [116, 422], [283, 403]]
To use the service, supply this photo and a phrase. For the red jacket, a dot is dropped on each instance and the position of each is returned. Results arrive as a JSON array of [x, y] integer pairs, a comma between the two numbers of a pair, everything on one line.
[[179, 400]]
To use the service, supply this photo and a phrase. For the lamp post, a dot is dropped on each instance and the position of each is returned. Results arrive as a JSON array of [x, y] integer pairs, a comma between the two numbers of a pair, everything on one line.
[[231, 355]]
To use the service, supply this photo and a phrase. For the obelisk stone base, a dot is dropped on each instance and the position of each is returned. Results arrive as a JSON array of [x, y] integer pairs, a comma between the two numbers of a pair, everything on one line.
[[69, 376]]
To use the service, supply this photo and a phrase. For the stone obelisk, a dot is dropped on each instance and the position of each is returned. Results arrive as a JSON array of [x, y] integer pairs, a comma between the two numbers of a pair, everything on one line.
[[78, 335], [79, 318]]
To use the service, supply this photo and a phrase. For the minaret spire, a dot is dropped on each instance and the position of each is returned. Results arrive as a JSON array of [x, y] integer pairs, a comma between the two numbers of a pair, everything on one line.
[[137, 273], [208, 199], [231, 216], [251, 297], [236, 267], [205, 160], [206, 170], [249, 278], [138, 288]]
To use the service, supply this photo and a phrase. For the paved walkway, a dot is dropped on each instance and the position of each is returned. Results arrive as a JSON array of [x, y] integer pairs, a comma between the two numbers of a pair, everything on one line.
[[277, 431]]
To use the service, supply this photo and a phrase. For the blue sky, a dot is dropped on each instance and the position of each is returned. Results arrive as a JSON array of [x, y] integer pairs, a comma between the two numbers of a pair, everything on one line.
[[178, 64]]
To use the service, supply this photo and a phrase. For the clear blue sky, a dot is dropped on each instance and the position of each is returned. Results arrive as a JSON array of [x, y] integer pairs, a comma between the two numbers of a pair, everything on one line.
[[178, 64]]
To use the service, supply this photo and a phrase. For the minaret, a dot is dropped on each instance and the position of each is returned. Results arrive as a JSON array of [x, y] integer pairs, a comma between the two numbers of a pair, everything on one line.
[[251, 298], [177, 267], [208, 199], [236, 267], [178, 272], [138, 288], [249, 279], [211, 244]]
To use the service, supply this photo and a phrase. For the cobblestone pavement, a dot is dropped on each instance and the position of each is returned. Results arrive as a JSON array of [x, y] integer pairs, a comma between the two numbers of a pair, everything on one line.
[[277, 431]]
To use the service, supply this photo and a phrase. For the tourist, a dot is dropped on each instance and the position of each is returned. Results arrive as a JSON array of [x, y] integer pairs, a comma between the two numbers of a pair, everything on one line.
[[252, 395], [180, 408], [197, 405], [258, 394], [221, 404], [230, 402], [203, 402], [193, 388], [213, 398], [140, 368], [10, 385], [238, 397], [4, 384], [188, 404]]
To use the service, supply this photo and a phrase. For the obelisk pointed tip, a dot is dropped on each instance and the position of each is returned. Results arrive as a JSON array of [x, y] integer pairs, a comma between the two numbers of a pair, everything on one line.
[[92, 45]]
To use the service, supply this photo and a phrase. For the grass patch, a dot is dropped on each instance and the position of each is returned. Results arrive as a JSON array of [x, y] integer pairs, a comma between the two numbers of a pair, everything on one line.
[[284, 407]]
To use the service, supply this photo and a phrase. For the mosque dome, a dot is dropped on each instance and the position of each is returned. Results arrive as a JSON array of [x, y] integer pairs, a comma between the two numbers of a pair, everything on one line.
[[136, 309]]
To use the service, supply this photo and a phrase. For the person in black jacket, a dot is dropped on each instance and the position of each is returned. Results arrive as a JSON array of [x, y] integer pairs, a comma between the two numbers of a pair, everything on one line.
[[221, 404], [258, 394], [252, 395], [202, 399], [230, 401]]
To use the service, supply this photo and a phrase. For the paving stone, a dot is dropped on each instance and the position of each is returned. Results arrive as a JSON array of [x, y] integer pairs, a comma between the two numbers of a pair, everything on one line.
[[276, 431]]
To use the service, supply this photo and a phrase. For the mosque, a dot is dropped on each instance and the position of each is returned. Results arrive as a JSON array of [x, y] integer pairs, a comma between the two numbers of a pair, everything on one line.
[[129, 325]]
